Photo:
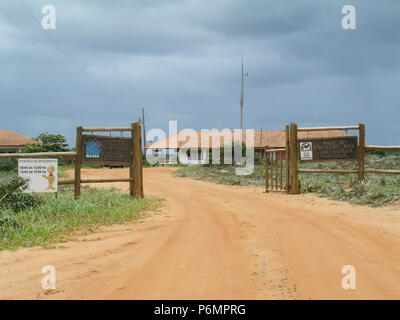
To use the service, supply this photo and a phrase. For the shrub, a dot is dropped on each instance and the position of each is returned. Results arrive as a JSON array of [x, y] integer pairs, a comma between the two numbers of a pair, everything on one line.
[[8, 164], [12, 196], [379, 153]]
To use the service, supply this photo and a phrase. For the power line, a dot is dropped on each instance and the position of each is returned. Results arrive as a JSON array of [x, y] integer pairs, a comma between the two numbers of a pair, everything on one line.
[[68, 57], [36, 44], [77, 67]]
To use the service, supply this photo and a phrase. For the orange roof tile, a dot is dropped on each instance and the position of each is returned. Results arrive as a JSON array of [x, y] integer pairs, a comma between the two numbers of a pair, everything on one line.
[[11, 138]]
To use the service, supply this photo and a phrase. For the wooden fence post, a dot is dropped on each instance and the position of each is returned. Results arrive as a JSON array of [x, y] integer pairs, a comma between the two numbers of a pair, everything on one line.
[[266, 156], [141, 163], [294, 163], [287, 160], [361, 152], [276, 169], [281, 169], [78, 162], [136, 171], [131, 175], [271, 155]]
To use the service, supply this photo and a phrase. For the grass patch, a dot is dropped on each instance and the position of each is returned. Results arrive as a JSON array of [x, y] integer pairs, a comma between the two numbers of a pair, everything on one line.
[[376, 190], [61, 170], [62, 219], [5, 175]]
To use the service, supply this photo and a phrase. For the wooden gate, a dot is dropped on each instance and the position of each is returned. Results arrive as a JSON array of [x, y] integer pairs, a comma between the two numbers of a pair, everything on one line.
[[282, 164], [277, 169]]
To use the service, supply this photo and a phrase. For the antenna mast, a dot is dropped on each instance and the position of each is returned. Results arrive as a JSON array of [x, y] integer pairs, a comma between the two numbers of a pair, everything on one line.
[[241, 97]]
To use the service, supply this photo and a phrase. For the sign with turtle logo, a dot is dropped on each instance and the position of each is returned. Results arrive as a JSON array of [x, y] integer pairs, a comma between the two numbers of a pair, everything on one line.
[[306, 150], [328, 149], [40, 173]]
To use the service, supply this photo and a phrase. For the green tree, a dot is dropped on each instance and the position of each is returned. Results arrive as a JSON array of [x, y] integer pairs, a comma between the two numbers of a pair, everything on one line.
[[47, 143]]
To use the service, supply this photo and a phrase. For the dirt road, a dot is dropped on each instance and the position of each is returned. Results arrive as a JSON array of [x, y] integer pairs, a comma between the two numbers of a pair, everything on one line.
[[220, 242]]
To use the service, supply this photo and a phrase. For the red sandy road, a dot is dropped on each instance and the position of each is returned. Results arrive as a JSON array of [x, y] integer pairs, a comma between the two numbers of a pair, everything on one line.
[[223, 242]]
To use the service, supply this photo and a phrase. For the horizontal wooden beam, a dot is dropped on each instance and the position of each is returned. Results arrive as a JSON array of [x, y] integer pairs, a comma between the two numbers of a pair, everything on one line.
[[66, 181], [329, 128], [372, 147], [105, 129], [105, 180], [100, 180], [276, 150], [38, 155], [327, 171], [275, 190], [381, 171]]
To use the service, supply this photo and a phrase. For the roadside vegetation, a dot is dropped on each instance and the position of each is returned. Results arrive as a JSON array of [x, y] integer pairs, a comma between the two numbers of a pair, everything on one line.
[[28, 219], [376, 190], [43, 220]]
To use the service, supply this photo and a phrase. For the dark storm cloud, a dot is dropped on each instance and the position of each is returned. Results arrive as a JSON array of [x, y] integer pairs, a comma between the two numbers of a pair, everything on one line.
[[181, 61]]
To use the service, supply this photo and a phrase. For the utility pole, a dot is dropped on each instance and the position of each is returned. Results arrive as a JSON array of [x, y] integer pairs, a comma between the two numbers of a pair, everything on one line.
[[144, 136], [144, 132], [241, 97]]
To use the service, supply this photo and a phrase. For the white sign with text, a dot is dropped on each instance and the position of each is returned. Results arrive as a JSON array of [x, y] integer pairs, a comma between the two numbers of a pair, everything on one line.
[[40, 173]]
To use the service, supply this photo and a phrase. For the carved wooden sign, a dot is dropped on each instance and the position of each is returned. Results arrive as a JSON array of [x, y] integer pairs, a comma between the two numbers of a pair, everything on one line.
[[104, 150], [328, 149]]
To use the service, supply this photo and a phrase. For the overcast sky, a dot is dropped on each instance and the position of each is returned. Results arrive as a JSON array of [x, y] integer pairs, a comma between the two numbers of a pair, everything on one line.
[[181, 60]]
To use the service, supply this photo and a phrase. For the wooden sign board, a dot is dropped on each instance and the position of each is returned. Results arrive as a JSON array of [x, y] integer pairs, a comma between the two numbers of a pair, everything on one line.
[[328, 149], [104, 150]]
